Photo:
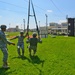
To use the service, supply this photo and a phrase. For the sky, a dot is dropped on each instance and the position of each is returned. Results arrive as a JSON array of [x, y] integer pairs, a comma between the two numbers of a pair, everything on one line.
[[12, 12]]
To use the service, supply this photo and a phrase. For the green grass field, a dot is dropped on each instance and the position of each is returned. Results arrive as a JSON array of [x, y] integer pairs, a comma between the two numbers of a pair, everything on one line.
[[55, 56]]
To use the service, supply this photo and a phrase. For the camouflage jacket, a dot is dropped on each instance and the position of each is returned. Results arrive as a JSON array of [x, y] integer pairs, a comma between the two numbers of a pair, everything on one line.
[[3, 40], [20, 38], [34, 41]]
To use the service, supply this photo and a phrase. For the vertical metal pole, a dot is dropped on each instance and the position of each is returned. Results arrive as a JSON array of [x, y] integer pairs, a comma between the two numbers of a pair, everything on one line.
[[21, 26], [28, 18], [39, 25], [67, 23], [28, 14], [46, 23], [9, 25], [24, 25]]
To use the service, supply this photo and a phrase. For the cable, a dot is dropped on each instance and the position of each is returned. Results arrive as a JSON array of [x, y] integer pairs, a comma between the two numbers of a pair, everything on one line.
[[37, 6], [26, 1], [56, 6], [12, 10], [44, 9], [12, 4], [20, 6]]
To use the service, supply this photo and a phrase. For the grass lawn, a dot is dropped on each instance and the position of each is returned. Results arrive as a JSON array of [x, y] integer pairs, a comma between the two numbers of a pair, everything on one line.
[[55, 56]]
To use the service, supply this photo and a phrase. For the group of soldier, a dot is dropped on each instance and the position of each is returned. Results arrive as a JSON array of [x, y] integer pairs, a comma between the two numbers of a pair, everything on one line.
[[20, 44]]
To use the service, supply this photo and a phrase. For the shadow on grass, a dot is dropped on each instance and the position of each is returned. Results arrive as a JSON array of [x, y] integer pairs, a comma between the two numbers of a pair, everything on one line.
[[22, 57], [33, 60], [36, 60], [4, 71]]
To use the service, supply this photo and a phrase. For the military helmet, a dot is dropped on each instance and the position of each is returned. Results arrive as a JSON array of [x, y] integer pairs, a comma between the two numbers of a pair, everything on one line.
[[3, 26], [34, 34], [21, 32]]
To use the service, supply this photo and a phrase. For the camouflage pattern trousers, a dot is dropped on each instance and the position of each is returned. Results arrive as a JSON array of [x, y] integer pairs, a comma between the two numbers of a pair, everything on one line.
[[20, 45], [5, 54], [32, 47]]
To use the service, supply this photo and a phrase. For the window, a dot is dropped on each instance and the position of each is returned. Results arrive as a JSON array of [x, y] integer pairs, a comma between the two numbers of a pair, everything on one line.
[[69, 24]]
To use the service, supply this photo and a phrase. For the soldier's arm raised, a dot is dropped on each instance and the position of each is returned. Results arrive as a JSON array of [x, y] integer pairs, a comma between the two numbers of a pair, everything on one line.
[[39, 40]]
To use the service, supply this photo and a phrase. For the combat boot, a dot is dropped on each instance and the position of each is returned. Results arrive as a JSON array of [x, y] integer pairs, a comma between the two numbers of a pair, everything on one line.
[[5, 65]]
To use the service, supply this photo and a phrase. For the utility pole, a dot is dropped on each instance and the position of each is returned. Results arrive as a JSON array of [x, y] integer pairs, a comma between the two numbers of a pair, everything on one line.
[[9, 25], [21, 26], [24, 24], [39, 24], [67, 23], [46, 22]]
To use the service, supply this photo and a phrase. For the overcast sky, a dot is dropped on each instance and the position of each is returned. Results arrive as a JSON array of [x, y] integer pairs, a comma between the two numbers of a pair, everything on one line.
[[12, 12]]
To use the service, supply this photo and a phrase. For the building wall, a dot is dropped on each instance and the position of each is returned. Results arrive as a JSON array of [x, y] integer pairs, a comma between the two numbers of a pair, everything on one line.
[[58, 28], [71, 26]]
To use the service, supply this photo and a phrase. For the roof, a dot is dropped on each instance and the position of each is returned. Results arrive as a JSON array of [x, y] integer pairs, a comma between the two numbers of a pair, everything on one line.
[[58, 28]]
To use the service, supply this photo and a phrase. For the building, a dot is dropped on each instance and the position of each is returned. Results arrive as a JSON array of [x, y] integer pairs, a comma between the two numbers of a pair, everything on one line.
[[43, 32], [16, 29], [71, 26], [55, 28]]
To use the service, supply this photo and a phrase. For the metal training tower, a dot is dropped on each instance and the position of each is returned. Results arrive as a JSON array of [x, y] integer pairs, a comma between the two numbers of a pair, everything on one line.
[[29, 15]]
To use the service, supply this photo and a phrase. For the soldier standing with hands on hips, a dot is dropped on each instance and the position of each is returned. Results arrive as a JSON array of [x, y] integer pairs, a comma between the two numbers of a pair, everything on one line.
[[3, 45]]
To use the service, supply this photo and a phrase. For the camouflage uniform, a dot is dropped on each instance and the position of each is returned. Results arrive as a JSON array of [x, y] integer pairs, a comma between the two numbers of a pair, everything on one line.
[[33, 43], [20, 43], [3, 45]]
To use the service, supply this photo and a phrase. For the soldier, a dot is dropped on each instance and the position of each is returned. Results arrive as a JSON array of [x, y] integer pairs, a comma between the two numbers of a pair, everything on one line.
[[20, 43], [3, 45], [33, 43]]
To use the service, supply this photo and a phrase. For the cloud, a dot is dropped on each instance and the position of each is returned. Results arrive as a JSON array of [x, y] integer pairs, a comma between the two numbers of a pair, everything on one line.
[[49, 11]]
